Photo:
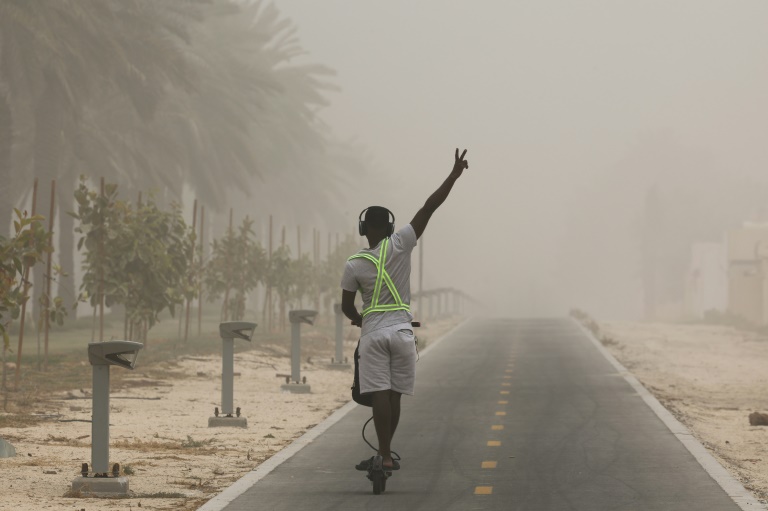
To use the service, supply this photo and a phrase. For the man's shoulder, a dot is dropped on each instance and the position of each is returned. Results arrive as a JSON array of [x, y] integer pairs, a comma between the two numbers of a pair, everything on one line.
[[406, 237], [360, 261]]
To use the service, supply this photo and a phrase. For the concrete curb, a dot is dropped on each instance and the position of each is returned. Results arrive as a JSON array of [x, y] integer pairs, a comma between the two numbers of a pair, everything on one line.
[[240, 486], [740, 495]]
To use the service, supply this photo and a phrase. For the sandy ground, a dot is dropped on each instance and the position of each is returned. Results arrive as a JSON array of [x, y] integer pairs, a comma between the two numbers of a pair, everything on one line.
[[711, 378], [159, 430]]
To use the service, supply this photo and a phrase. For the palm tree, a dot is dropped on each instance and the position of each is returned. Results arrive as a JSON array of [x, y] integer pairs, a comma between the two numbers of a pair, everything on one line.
[[57, 59], [151, 95]]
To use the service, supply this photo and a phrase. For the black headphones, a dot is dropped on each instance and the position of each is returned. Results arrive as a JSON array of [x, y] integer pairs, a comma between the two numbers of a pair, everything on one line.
[[363, 229]]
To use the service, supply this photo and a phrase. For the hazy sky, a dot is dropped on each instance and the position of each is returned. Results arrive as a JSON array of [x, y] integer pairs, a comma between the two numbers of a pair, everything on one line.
[[558, 102]]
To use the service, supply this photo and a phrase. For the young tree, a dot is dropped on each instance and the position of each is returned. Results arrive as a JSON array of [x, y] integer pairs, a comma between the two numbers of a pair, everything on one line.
[[158, 249], [303, 281], [238, 263], [17, 254], [138, 257]]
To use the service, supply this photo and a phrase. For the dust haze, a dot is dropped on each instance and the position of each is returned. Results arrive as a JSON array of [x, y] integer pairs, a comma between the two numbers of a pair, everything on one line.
[[576, 116]]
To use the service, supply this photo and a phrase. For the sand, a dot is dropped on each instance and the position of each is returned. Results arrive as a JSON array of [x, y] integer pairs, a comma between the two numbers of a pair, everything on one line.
[[711, 378], [159, 430]]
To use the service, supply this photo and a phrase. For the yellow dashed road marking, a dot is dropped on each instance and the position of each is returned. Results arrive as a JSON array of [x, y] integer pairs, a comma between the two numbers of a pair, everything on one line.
[[503, 402], [505, 384], [493, 443], [507, 377], [504, 392], [501, 413], [483, 490], [497, 427], [508, 371], [488, 464]]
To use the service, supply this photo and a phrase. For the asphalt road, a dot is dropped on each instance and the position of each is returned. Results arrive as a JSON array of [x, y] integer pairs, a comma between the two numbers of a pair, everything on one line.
[[508, 414]]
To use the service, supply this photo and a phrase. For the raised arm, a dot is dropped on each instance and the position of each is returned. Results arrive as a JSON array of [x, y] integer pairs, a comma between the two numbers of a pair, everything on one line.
[[420, 221]]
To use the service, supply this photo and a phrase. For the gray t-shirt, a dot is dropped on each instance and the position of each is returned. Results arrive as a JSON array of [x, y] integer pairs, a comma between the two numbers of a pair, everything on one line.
[[360, 273]]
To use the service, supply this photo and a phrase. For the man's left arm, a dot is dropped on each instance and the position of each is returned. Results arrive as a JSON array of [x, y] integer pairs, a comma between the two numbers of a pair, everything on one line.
[[348, 307]]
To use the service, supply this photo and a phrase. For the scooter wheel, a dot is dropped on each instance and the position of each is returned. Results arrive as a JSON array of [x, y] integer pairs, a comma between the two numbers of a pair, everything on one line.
[[379, 482]]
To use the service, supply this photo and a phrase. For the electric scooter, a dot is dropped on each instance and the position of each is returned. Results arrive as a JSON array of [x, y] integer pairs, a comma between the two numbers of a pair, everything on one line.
[[374, 469]]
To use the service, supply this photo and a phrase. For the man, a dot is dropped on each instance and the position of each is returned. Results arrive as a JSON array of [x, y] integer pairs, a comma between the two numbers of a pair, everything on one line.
[[382, 274]]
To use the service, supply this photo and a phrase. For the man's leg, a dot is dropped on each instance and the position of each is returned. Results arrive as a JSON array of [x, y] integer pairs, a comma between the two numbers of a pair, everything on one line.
[[383, 421], [394, 402]]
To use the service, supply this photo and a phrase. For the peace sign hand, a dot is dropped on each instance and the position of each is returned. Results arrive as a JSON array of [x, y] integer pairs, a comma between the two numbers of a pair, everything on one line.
[[460, 164]]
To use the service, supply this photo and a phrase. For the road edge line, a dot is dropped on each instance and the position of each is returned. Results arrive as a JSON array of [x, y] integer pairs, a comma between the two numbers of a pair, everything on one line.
[[730, 485], [229, 494]]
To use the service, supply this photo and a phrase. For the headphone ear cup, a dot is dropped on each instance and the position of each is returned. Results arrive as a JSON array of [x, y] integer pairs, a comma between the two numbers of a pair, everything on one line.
[[361, 228]]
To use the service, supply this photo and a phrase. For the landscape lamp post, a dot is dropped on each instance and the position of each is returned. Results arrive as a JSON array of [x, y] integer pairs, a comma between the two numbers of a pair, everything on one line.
[[295, 384], [230, 331], [339, 361], [100, 479]]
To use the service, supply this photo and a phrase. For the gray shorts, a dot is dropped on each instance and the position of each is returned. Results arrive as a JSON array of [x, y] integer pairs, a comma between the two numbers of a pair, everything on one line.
[[388, 359]]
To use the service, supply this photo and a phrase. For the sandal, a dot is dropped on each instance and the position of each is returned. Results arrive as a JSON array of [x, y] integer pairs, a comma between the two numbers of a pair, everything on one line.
[[366, 465]]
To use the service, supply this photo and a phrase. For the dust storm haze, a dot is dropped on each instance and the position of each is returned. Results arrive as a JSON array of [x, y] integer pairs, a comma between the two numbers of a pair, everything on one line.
[[592, 127]]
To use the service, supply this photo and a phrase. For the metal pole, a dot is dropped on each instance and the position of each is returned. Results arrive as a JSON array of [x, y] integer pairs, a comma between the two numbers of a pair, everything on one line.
[[337, 310], [421, 276], [100, 420], [227, 375], [296, 352]]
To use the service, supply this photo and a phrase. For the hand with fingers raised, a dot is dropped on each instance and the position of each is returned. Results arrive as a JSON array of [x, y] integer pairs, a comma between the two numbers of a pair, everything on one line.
[[460, 164]]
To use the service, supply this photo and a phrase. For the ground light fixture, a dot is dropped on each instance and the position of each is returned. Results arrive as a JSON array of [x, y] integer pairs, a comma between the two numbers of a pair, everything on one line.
[[339, 361], [230, 416], [295, 383], [99, 478]]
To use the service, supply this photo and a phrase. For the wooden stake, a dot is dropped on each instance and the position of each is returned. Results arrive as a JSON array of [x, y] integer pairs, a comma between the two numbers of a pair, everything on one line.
[[25, 276], [229, 275], [101, 278], [191, 261], [48, 274], [282, 298], [315, 240], [270, 324], [200, 276]]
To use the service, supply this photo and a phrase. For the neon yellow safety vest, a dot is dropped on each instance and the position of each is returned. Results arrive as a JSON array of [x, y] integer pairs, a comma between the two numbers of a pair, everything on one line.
[[382, 276]]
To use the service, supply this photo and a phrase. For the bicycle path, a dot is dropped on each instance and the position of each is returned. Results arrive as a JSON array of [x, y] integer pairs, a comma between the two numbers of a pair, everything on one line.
[[508, 414]]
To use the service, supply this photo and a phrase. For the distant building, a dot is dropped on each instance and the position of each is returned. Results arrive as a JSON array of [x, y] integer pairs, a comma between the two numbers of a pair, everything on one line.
[[748, 272], [706, 284]]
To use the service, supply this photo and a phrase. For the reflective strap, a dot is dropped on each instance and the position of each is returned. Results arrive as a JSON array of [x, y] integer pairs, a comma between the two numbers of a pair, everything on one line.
[[382, 277], [380, 274]]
